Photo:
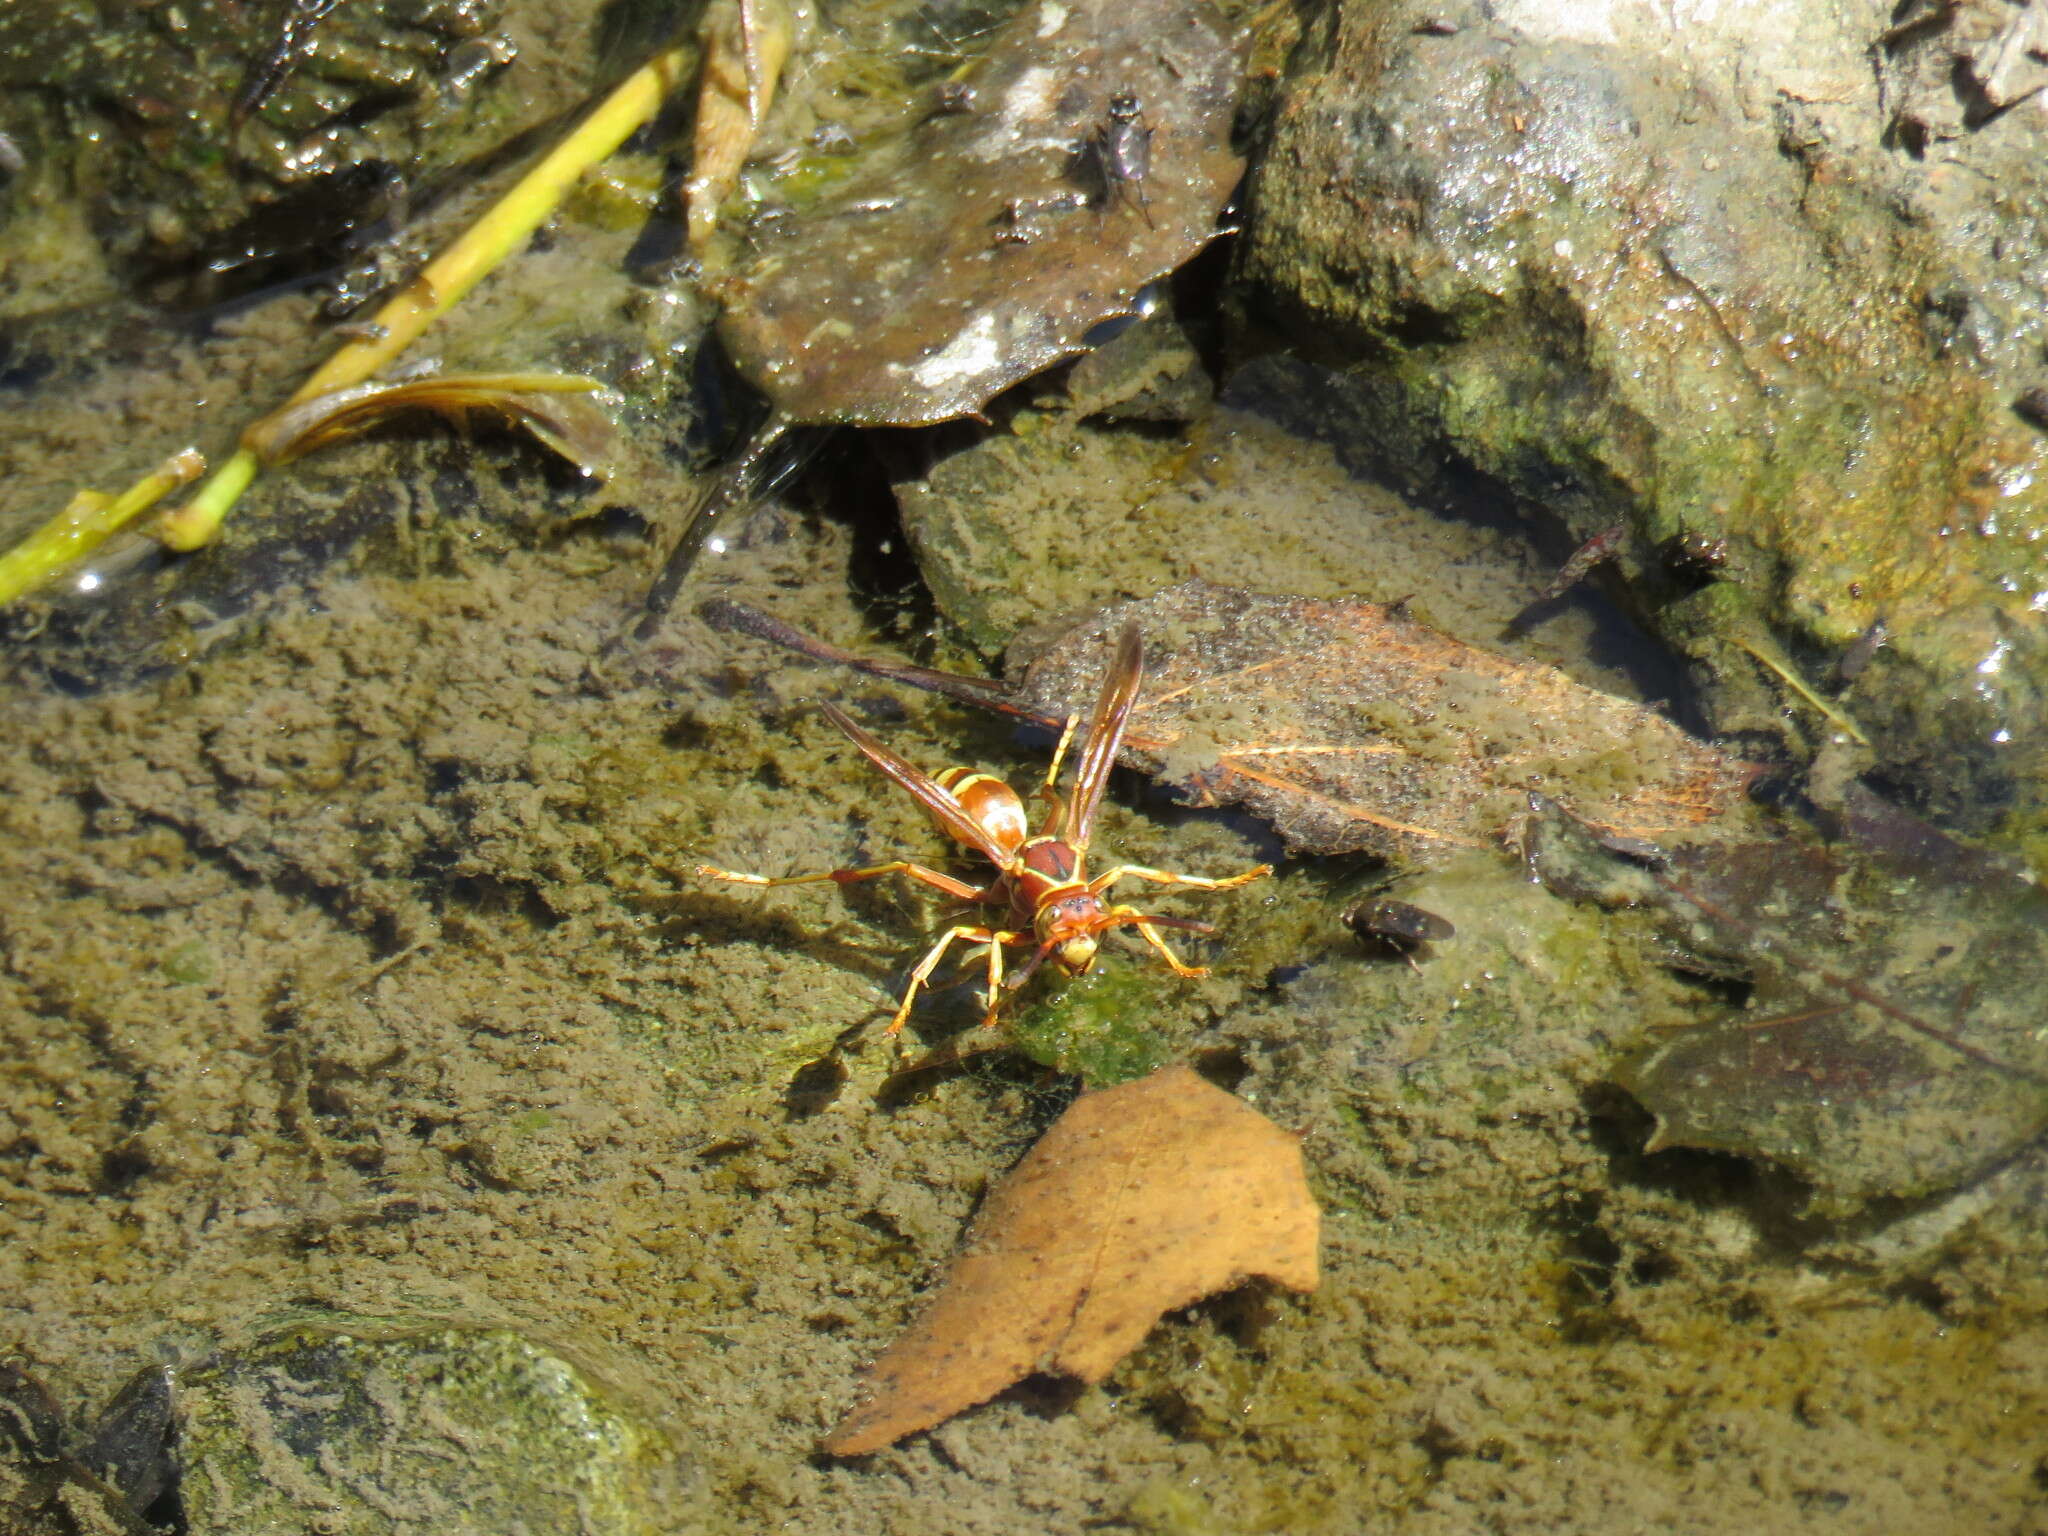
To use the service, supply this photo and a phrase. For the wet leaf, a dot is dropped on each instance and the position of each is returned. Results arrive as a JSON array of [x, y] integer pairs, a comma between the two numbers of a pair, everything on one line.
[[1892, 1044], [745, 44], [1354, 728], [1142, 1198], [555, 408], [976, 247], [1346, 724]]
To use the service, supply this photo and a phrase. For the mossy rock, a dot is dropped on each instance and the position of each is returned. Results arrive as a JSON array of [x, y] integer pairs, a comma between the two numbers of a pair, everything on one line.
[[1723, 316], [321, 1427]]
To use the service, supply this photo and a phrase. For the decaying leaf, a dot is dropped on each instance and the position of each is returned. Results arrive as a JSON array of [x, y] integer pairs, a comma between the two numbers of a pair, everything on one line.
[[1891, 1045], [1142, 1198], [555, 408], [980, 245], [1352, 727], [745, 44]]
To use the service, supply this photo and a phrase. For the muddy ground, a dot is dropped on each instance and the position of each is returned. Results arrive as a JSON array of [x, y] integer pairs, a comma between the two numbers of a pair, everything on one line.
[[350, 965]]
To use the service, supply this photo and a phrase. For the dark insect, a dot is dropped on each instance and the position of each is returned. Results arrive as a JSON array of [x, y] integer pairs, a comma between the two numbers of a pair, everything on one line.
[[953, 98], [1397, 925], [1123, 152], [1694, 558], [1045, 899], [1859, 653], [1022, 219]]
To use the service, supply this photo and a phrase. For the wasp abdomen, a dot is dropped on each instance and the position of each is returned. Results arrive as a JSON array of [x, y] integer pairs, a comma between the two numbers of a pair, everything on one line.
[[990, 803]]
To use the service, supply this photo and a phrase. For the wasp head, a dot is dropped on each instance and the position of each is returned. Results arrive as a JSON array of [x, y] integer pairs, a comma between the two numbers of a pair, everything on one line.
[[1068, 930]]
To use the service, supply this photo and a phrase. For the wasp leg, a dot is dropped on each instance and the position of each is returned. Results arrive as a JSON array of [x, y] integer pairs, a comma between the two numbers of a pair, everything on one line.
[[1151, 936], [1104, 881], [971, 932], [1049, 791], [931, 877], [995, 975]]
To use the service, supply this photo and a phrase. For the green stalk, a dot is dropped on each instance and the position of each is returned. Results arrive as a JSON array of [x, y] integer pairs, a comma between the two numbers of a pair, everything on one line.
[[91, 518], [88, 522], [505, 226]]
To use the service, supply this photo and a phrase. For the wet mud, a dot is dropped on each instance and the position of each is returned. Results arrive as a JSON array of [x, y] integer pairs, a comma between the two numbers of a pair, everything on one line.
[[352, 980], [349, 967]]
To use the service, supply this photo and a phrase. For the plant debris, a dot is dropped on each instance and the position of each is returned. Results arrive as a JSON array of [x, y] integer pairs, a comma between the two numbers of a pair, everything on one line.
[[555, 408], [1140, 1199], [745, 44], [1350, 726], [979, 246], [1891, 1045]]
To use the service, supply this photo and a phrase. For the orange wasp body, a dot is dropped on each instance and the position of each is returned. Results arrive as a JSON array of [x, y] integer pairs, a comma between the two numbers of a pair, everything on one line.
[[1049, 904]]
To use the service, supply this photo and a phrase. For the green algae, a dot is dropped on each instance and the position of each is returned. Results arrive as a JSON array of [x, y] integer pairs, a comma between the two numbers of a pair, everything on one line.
[[1111, 1026], [191, 964]]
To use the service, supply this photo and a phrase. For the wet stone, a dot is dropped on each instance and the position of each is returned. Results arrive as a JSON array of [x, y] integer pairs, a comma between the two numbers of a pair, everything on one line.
[[1761, 276], [446, 1430], [980, 246], [223, 146], [1889, 1046], [1147, 371]]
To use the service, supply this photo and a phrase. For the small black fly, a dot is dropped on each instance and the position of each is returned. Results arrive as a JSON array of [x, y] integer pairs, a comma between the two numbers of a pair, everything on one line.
[[1123, 152]]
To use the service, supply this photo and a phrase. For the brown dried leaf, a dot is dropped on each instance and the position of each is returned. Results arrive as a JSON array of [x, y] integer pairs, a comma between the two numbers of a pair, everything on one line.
[[1353, 728], [1346, 724], [979, 247], [745, 44], [1142, 1198]]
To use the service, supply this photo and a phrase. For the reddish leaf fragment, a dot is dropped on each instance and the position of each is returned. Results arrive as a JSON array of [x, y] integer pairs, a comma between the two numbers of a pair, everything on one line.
[[1142, 1198], [1354, 728], [1348, 725]]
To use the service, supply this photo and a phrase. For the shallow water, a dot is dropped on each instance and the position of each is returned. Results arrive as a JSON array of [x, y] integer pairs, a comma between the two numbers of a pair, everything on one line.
[[352, 973]]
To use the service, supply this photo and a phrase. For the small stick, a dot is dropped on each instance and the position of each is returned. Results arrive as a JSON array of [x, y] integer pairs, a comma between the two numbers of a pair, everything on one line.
[[727, 614], [1833, 713]]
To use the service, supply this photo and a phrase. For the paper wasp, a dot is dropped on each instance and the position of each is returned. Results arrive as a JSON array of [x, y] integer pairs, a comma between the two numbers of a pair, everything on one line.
[[1047, 902]]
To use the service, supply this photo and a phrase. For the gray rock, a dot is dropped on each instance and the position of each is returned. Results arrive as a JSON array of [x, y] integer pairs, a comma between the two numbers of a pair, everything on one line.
[[376, 1432], [1687, 274]]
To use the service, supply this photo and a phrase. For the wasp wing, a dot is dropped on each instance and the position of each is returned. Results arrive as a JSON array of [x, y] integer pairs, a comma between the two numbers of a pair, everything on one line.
[[943, 808], [1105, 735]]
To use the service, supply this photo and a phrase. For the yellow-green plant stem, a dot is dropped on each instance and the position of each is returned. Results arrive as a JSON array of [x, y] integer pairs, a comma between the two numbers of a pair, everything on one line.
[[89, 521], [445, 279], [91, 518]]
